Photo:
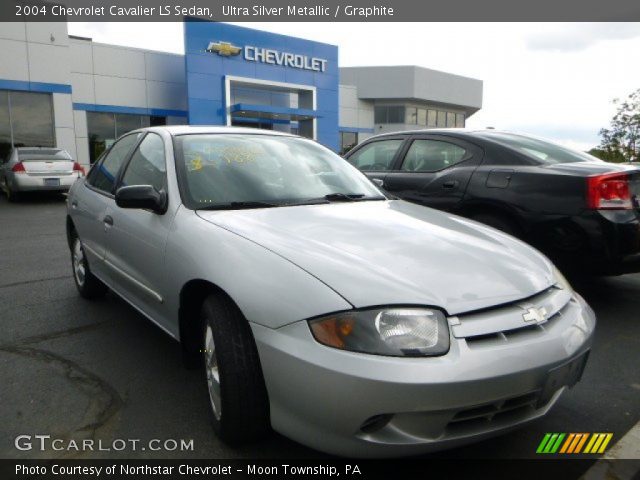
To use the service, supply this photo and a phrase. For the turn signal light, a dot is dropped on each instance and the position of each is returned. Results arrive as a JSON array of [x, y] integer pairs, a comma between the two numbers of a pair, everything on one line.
[[18, 168], [333, 331], [609, 192]]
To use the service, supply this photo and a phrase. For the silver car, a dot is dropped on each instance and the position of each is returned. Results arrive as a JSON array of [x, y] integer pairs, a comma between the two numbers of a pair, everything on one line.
[[30, 169], [353, 323]]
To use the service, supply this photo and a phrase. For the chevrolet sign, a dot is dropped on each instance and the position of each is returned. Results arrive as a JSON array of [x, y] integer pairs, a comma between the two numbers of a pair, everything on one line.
[[270, 56], [224, 49]]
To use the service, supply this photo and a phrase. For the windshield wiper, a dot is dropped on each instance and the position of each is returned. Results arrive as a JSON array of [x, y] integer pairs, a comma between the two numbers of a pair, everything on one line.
[[350, 197], [239, 206]]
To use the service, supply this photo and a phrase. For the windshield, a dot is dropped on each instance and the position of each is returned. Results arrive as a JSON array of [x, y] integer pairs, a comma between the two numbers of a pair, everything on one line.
[[253, 171], [541, 150]]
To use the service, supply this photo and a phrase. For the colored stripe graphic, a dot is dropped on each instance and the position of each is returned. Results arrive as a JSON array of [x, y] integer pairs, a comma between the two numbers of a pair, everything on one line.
[[550, 443], [543, 443], [581, 443], [573, 443]]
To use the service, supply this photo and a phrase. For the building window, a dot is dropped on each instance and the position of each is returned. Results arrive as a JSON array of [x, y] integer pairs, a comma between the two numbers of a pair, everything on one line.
[[432, 118], [26, 120], [442, 119], [451, 119], [389, 114], [422, 117], [104, 127], [411, 116], [460, 120], [348, 140]]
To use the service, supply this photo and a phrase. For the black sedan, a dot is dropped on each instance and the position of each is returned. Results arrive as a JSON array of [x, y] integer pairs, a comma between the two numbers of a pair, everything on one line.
[[580, 211]]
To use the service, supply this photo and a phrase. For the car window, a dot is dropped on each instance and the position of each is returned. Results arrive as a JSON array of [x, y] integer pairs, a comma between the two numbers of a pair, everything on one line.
[[105, 175], [147, 165], [50, 154], [542, 151], [376, 156], [432, 155]]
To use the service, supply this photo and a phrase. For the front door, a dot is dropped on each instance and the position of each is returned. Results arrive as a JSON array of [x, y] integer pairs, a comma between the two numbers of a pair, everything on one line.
[[136, 238]]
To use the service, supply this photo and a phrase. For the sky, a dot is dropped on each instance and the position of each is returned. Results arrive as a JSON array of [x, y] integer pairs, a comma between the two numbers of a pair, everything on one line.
[[555, 80]]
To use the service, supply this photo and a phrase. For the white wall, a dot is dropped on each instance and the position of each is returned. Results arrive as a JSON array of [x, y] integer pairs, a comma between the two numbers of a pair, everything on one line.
[[39, 52], [121, 76]]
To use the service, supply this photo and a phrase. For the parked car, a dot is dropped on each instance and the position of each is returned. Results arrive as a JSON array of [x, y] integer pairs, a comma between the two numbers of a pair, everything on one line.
[[29, 169], [579, 210], [350, 322]]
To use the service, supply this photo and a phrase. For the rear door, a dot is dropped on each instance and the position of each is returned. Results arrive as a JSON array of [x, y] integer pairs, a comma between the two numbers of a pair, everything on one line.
[[434, 171], [377, 157], [91, 200]]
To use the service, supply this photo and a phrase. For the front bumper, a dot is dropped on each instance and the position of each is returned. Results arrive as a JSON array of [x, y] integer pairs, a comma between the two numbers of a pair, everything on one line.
[[361, 405]]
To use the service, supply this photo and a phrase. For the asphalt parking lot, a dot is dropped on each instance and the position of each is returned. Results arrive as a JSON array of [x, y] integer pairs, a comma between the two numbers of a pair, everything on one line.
[[98, 370]]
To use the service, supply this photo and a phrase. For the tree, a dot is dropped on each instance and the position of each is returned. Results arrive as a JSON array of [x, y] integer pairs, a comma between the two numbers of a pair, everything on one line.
[[614, 156], [623, 137]]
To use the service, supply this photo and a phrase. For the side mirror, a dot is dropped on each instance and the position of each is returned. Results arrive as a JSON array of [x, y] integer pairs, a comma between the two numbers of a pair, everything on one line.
[[378, 182], [142, 196]]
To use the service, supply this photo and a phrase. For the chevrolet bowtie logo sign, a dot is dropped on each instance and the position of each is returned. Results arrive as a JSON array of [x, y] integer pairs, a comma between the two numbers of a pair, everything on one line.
[[224, 49], [537, 315]]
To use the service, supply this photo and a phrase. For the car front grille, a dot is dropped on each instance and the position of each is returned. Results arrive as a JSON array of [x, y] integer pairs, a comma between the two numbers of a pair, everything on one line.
[[499, 413], [506, 323]]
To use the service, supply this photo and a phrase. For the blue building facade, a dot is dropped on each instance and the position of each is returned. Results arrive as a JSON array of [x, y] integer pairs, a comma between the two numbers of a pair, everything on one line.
[[245, 77]]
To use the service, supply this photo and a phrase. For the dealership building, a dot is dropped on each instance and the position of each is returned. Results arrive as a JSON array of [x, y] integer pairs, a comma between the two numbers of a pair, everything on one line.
[[73, 93]]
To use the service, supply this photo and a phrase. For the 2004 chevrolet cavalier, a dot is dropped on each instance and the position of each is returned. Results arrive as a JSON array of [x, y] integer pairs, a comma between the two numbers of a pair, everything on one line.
[[351, 322]]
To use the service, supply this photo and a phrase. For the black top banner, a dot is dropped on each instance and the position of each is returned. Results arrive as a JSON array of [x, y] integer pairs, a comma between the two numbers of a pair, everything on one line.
[[320, 10]]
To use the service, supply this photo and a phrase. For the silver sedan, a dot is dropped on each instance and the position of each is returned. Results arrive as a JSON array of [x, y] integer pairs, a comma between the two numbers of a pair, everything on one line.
[[29, 169], [354, 323]]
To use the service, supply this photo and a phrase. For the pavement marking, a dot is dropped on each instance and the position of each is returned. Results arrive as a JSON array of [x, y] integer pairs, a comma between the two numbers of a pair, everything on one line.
[[35, 280], [53, 335], [609, 467]]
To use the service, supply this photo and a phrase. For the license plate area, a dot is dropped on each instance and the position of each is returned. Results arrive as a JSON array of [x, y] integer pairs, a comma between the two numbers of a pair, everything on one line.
[[51, 182], [565, 375]]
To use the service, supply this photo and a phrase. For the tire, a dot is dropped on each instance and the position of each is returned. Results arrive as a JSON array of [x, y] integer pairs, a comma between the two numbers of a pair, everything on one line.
[[238, 399], [88, 285], [498, 222]]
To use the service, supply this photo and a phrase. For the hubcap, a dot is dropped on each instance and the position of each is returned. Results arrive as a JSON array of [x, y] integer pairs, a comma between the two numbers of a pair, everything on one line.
[[213, 374], [78, 263]]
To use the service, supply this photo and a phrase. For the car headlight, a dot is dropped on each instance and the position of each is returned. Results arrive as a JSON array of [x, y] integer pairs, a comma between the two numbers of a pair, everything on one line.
[[560, 280], [405, 332]]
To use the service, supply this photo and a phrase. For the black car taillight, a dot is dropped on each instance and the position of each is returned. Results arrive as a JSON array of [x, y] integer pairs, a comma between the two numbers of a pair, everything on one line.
[[609, 191]]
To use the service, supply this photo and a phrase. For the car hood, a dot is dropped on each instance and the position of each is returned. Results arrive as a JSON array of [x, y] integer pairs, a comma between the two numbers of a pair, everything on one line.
[[394, 252]]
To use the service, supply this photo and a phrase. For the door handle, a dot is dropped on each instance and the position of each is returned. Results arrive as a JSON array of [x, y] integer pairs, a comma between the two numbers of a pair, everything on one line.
[[74, 204], [450, 184], [108, 220]]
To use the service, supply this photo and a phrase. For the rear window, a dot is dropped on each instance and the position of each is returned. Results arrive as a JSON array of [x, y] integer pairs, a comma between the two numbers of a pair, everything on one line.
[[541, 150], [43, 153]]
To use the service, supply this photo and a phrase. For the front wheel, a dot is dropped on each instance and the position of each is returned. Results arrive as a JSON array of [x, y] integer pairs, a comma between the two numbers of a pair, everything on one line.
[[237, 393], [87, 284]]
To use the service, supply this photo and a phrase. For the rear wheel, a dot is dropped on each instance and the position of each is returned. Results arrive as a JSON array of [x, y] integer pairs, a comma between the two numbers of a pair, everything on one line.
[[497, 221], [87, 284], [237, 393]]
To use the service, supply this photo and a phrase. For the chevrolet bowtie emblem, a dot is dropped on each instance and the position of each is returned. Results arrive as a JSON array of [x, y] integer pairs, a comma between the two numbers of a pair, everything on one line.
[[537, 315], [224, 49]]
